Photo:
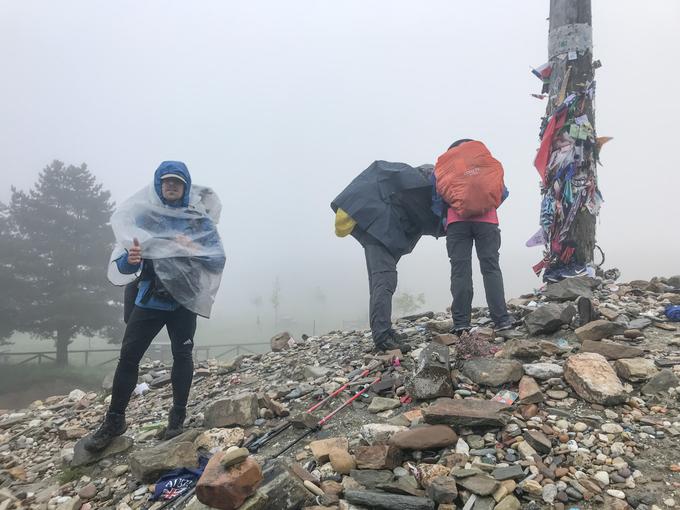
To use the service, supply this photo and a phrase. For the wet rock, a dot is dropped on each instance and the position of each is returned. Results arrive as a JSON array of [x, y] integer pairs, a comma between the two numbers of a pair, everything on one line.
[[432, 378], [467, 412], [386, 501], [549, 318], [599, 329], [227, 489], [593, 379], [425, 438], [240, 409], [635, 369], [493, 371], [660, 382]]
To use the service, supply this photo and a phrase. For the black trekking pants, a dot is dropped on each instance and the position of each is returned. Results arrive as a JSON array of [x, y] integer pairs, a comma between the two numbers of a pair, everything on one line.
[[487, 240], [142, 327]]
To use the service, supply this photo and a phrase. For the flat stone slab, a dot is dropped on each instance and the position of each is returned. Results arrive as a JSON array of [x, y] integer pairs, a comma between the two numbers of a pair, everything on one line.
[[466, 412], [611, 350], [81, 457], [387, 501]]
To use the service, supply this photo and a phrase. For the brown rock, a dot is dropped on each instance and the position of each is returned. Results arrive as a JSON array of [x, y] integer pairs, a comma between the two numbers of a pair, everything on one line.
[[341, 461], [377, 457], [599, 329], [529, 391], [228, 489], [331, 487], [538, 441], [70, 433], [528, 411], [467, 412], [425, 438], [321, 448], [635, 369], [611, 350], [593, 379], [445, 339]]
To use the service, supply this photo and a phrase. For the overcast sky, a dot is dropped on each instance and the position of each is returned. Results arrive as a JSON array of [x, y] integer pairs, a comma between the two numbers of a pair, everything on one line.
[[278, 105]]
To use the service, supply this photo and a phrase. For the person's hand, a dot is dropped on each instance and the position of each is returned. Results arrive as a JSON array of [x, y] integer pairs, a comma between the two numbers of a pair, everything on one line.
[[135, 253]]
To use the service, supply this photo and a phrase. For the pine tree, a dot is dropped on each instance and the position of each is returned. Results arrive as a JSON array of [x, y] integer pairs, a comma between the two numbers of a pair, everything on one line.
[[58, 241]]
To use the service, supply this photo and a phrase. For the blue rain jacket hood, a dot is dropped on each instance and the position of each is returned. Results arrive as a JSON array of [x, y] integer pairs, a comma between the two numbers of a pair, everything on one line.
[[173, 167]]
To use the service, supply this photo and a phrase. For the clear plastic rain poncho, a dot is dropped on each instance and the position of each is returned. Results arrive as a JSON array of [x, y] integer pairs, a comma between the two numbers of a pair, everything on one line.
[[182, 242]]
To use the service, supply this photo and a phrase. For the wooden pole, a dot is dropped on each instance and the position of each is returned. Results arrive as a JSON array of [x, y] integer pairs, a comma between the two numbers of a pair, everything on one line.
[[570, 238]]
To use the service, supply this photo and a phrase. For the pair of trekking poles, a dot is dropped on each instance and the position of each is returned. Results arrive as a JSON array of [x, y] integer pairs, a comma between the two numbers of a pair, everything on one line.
[[255, 444]]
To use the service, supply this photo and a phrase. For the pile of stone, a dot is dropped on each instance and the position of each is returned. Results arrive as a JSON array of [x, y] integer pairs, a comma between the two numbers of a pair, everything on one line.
[[577, 407]]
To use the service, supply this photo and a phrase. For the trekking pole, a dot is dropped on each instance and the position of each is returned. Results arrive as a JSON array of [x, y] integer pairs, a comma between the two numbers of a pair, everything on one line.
[[255, 444], [327, 418], [342, 388]]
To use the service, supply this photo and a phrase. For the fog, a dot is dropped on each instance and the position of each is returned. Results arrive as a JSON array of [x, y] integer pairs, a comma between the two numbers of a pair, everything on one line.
[[278, 105]]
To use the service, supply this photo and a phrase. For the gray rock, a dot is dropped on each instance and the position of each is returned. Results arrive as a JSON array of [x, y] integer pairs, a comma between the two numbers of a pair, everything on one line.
[[283, 488], [371, 478], [570, 289], [314, 372], [380, 404], [240, 409], [514, 472], [280, 341], [482, 485], [493, 371], [433, 374], [386, 501], [661, 382], [640, 323], [549, 318], [149, 464], [543, 371], [81, 457]]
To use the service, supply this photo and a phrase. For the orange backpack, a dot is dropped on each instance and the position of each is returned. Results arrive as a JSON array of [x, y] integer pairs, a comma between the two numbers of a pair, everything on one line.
[[470, 179]]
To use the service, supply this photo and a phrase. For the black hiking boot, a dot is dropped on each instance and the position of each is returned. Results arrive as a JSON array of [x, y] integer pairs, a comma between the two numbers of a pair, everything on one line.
[[391, 344], [113, 426], [176, 419]]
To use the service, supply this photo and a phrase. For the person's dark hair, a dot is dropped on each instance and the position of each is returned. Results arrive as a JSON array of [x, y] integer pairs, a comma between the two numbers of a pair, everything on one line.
[[458, 142]]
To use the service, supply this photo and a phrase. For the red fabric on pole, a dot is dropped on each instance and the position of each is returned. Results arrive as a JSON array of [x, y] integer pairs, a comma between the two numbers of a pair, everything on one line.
[[543, 156]]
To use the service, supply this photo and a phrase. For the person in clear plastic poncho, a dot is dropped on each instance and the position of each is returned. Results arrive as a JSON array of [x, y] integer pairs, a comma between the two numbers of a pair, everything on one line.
[[168, 250]]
